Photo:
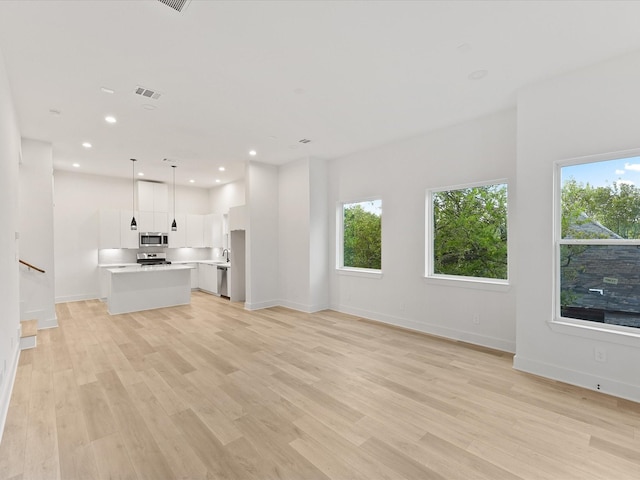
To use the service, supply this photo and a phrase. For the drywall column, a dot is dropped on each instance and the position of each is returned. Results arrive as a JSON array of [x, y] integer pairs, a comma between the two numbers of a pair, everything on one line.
[[262, 236], [9, 293], [37, 290]]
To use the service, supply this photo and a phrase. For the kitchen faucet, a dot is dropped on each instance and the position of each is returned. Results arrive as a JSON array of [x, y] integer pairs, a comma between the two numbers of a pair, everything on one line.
[[226, 252]]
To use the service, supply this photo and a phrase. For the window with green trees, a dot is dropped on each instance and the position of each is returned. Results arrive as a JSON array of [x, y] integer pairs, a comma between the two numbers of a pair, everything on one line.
[[468, 232], [598, 243], [361, 238]]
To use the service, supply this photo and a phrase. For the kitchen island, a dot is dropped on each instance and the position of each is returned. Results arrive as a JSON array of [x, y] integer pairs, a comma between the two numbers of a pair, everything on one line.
[[136, 288]]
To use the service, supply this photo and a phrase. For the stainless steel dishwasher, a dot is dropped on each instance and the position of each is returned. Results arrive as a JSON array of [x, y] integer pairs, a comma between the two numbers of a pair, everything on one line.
[[223, 287]]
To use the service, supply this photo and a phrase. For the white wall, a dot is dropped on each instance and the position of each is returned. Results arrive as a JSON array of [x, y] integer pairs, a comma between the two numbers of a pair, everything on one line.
[[9, 293], [293, 234], [303, 235], [262, 236], [590, 111], [37, 290], [399, 173], [222, 198], [78, 199]]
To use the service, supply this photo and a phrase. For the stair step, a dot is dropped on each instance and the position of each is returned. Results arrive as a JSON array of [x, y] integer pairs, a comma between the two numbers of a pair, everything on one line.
[[29, 328], [28, 334]]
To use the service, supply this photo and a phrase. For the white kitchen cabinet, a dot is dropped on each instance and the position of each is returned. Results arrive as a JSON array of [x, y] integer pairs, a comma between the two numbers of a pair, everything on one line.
[[152, 197], [109, 229], [178, 239], [154, 222], [195, 281], [238, 218], [213, 231], [128, 238], [208, 277], [195, 231]]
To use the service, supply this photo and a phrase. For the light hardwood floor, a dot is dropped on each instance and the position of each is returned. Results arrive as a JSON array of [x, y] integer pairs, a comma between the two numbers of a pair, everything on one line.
[[210, 391]]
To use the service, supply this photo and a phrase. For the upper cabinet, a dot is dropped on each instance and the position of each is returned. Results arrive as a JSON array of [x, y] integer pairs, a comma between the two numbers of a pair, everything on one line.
[[153, 197], [154, 222], [213, 230], [238, 218], [115, 229]]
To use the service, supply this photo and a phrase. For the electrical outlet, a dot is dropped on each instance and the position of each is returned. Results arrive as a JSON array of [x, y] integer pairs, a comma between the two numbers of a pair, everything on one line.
[[476, 319], [600, 354]]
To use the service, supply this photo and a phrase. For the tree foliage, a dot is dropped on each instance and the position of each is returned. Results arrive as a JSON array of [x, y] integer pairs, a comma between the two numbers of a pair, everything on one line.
[[615, 206], [362, 237], [470, 232]]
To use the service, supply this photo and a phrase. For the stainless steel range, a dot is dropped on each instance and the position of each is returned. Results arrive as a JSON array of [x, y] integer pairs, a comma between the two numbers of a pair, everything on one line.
[[152, 259]]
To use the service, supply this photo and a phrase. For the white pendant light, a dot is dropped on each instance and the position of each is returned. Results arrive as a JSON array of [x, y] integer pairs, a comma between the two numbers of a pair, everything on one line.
[[174, 225], [134, 224]]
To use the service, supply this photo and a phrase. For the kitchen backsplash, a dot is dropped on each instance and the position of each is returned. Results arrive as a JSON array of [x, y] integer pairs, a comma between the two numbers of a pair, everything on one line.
[[128, 255]]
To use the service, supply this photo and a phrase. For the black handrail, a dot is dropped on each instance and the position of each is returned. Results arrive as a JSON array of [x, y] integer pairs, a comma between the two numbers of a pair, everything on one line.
[[31, 266]]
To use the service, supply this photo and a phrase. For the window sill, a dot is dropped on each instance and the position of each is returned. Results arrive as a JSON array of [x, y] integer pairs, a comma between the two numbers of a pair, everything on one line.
[[468, 282], [359, 272], [597, 332]]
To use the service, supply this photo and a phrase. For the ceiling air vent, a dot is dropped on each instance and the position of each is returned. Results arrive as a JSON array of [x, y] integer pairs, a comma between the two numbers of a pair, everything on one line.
[[146, 92], [304, 140], [177, 5]]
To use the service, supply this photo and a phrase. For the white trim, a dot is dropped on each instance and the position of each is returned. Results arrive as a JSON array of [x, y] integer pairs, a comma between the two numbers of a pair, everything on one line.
[[629, 336], [77, 298], [261, 305], [490, 284], [340, 232], [300, 307], [580, 379], [451, 280], [7, 388], [570, 326], [359, 272], [430, 329]]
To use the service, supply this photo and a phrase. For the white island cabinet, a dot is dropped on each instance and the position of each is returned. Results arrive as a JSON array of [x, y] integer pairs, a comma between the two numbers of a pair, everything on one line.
[[132, 289]]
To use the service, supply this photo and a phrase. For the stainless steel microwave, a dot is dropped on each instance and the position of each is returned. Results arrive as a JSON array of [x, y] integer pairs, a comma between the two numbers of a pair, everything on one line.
[[154, 239]]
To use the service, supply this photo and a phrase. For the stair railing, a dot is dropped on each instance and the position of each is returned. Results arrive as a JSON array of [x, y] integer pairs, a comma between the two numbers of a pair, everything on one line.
[[31, 266]]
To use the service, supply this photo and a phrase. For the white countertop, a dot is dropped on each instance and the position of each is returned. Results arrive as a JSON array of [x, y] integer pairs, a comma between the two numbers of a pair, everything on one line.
[[148, 268], [176, 262]]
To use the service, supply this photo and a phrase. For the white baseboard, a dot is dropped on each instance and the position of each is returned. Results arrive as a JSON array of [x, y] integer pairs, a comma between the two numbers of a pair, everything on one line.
[[302, 307], [260, 305], [76, 298], [7, 387], [438, 330], [579, 379]]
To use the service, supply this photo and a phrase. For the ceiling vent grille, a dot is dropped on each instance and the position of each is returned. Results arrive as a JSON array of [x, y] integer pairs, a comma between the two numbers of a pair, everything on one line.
[[146, 92], [177, 5], [304, 140]]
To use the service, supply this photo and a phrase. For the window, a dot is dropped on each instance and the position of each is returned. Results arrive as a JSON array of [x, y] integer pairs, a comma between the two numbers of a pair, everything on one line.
[[360, 238], [467, 232], [598, 242]]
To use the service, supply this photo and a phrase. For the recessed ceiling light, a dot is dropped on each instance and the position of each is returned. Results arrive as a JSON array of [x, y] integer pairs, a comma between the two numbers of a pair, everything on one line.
[[76, 165], [253, 153], [110, 119], [141, 174], [221, 169], [478, 74], [217, 180], [192, 181], [107, 90], [87, 145]]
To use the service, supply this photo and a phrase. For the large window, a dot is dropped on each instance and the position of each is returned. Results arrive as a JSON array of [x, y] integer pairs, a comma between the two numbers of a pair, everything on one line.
[[598, 242], [467, 232], [360, 238]]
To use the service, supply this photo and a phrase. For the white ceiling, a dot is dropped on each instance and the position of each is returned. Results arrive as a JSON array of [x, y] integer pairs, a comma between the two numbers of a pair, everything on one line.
[[241, 75]]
